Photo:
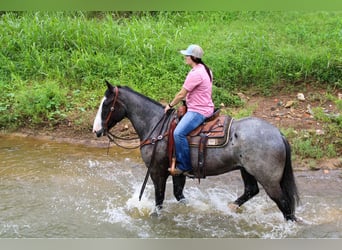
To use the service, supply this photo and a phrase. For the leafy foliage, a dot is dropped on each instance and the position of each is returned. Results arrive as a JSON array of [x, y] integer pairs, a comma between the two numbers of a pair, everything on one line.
[[53, 64]]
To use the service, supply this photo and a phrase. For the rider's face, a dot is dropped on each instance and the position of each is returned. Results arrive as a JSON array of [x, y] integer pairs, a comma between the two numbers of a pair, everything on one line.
[[188, 60]]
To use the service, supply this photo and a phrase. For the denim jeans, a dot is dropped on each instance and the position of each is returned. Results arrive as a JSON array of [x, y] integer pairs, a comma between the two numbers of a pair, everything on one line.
[[189, 122]]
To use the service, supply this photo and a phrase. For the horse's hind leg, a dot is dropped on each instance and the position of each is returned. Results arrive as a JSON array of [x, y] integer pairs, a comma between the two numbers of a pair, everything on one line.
[[283, 204], [178, 186], [251, 187]]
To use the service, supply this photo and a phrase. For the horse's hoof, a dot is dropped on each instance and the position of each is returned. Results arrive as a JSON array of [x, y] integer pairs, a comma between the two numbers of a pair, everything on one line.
[[291, 218], [183, 201], [301, 222], [233, 207], [156, 212], [296, 220]]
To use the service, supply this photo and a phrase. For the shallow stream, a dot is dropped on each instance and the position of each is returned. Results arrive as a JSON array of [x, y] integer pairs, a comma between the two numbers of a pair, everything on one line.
[[60, 190]]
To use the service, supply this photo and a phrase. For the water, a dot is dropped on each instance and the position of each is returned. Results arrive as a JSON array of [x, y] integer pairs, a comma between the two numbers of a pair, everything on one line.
[[58, 190]]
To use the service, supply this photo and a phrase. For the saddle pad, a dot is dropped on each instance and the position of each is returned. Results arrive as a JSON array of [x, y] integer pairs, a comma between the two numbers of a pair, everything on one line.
[[217, 131]]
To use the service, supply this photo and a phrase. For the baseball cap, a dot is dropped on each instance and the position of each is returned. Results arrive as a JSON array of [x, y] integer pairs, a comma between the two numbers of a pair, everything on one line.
[[193, 50]]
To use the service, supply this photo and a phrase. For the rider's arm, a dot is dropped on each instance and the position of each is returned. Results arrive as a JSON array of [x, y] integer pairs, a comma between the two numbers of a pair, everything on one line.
[[178, 97]]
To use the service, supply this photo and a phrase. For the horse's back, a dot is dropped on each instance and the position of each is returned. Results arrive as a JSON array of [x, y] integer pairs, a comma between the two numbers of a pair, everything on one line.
[[259, 146], [255, 130], [253, 144]]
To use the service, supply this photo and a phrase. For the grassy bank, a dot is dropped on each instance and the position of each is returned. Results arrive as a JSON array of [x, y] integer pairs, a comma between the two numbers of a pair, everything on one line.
[[53, 64]]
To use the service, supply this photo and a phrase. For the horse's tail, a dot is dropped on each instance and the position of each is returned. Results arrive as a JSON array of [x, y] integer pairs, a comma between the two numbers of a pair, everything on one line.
[[288, 183]]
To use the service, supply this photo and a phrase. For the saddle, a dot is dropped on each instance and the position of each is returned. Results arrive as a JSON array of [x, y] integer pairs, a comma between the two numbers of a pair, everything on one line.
[[213, 132]]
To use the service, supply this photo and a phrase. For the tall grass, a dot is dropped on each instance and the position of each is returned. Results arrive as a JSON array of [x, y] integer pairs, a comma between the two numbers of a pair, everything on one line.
[[76, 51]]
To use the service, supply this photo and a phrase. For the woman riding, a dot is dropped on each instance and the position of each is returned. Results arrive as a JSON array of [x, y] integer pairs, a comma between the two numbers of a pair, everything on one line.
[[197, 91]]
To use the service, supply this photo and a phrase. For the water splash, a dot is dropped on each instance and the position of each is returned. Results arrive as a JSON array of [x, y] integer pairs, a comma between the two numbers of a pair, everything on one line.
[[57, 190]]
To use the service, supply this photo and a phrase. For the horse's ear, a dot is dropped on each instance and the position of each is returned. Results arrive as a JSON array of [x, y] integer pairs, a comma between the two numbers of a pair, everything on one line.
[[110, 86]]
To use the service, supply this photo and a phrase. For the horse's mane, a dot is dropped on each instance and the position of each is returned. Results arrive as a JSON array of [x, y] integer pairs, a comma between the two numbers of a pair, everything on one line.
[[140, 95]]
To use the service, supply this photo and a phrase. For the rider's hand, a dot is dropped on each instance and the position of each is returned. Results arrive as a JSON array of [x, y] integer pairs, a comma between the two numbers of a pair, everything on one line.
[[167, 107]]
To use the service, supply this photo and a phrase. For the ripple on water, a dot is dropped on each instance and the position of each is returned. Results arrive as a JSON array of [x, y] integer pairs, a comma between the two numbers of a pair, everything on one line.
[[59, 190]]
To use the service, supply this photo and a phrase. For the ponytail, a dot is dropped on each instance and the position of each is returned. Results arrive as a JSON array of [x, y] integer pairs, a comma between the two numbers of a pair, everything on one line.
[[199, 61]]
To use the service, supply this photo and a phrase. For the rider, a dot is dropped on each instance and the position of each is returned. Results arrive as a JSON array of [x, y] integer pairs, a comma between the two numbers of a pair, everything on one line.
[[197, 89]]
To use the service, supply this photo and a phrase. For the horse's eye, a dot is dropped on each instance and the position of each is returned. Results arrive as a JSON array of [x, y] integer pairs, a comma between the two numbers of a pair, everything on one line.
[[107, 102]]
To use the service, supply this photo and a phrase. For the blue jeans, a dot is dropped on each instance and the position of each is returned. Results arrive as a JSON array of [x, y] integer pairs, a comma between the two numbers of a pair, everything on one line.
[[189, 122]]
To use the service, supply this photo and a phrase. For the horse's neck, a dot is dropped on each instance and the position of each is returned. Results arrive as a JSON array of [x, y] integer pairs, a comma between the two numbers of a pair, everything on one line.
[[142, 113]]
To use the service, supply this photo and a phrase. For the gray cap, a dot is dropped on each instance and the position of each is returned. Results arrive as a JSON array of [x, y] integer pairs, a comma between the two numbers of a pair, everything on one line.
[[193, 50]]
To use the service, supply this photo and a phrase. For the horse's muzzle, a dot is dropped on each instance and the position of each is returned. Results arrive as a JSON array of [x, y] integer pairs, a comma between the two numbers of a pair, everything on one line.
[[101, 132]]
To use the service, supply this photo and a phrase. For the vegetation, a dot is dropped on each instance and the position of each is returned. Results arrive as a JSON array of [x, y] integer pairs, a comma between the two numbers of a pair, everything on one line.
[[53, 64]]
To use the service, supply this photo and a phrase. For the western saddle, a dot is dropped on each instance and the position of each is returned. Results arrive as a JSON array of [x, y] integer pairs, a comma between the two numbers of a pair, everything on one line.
[[213, 132]]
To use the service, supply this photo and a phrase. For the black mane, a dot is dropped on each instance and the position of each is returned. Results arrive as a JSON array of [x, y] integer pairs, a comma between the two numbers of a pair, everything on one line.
[[139, 94]]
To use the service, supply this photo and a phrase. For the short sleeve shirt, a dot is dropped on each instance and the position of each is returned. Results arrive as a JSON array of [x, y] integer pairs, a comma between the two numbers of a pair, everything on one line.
[[199, 87]]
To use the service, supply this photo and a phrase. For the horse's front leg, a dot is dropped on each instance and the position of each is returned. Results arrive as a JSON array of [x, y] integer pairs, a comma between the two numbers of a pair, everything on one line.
[[178, 186], [159, 182]]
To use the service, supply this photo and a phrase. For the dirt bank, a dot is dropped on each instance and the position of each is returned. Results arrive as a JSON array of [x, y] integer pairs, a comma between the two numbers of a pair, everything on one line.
[[284, 110]]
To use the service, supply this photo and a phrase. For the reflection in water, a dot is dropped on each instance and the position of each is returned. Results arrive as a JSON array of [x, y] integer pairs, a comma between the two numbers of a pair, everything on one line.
[[58, 190]]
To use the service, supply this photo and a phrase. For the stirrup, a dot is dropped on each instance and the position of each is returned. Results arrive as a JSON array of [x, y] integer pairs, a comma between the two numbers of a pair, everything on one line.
[[189, 174], [175, 171]]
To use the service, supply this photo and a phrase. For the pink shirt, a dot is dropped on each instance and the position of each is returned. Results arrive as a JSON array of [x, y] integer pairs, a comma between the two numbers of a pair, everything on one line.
[[199, 88]]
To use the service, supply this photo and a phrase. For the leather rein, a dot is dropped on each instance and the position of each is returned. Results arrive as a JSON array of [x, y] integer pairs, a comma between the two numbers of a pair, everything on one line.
[[149, 140], [153, 140]]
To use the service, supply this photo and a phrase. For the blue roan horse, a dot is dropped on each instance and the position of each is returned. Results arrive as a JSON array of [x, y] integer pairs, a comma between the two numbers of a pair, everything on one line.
[[255, 147]]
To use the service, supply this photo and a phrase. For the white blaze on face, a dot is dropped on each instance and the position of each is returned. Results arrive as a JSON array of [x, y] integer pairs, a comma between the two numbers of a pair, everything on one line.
[[98, 121]]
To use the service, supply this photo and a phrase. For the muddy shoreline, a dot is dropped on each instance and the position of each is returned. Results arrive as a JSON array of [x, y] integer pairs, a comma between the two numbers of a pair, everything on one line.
[[90, 140]]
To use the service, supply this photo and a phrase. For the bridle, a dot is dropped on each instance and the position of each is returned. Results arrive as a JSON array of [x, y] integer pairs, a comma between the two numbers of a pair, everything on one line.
[[111, 136], [112, 108], [147, 141]]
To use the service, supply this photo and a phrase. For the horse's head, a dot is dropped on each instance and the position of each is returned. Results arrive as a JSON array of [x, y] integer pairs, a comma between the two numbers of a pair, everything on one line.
[[111, 111]]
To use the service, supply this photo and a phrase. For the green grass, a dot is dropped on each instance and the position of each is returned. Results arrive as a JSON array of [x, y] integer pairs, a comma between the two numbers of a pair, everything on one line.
[[141, 50], [53, 64]]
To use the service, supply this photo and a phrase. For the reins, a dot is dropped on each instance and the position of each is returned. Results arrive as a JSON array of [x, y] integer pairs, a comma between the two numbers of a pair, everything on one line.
[[165, 116], [153, 141], [112, 138], [148, 141]]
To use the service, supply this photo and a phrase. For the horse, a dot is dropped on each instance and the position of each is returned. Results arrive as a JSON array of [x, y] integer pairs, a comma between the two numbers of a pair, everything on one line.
[[255, 147]]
